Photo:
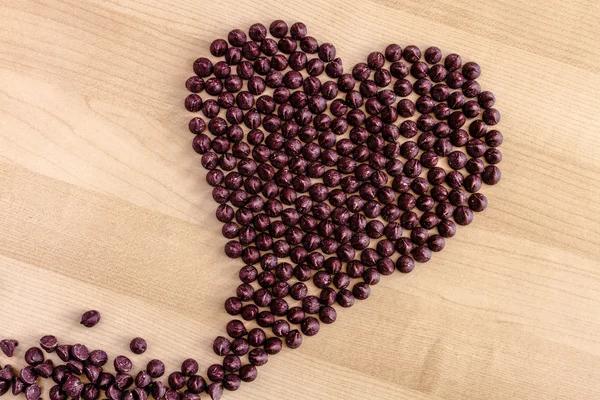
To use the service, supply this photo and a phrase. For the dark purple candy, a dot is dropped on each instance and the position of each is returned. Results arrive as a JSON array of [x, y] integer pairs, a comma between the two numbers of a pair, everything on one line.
[[6, 373], [405, 264], [433, 55], [399, 70], [345, 298], [248, 373], [486, 99], [34, 356], [233, 55], [236, 37], [393, 53], [138, 345], [218, 47], [375, 60], [8, 346], [49, 343], [33, 392], [278, 29], [18, 386], [72, 386], [452, 62], [298, 31], [257, 32], [189, 366], [361, 72], [327, 52], [491, 175], [346, 83], [203, 67], [56, 393], [293, 339], [45, 369], [215, 390], [335, 68], [411, 53], [196, 384], [122, 364], [28, 375]]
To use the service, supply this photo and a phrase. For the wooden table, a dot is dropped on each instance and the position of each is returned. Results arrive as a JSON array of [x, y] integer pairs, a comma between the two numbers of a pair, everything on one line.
[[104, 204]]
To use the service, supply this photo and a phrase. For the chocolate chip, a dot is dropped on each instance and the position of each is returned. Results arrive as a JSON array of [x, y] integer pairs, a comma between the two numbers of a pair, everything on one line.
[[28, 375], [122, 364], [293, 339], [221, 346], [196, 384], [49, 343], [34, 356], [248, 373], [215, 373], [215, 390], [44, 369], [8, 346], [33, 392], [98, 357]]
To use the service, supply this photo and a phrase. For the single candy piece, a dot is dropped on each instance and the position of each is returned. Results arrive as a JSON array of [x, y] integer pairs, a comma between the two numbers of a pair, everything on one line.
[[92, 373], [49, 343], [189, 367], [56, 393], [98, 357], [33, 392], [412, 53], [6, 373], [293, 339], [218, 47], [221, 346], [248, 373], [176, 380], [278, 29], [257, 32], [28, 375], [92, 317], [433, 55], [471, 70], [138, 345], [236, 37], [63, 352], [72, 386], [18, 386], [491, 175], [452, 62], [215, 390], [34, 356], [195, 84], [4, 386], [44, 369], [375, 60], [141, 394], [393, 52], [298, 31], [75, 367], [491, 116], [122, 364], [80, 352], [8, 346]]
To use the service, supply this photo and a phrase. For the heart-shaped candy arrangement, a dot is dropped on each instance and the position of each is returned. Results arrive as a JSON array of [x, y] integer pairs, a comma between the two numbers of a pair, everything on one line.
[[326, 179], [323, 184]]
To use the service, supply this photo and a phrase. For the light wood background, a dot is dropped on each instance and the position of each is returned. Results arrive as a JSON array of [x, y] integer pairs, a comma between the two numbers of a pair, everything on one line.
[[103, 203]]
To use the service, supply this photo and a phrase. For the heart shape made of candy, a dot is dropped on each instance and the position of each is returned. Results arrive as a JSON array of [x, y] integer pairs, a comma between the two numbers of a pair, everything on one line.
[[330, 176]]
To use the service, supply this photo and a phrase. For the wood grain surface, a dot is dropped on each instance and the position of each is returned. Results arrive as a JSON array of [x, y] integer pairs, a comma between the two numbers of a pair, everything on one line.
[[103, 204]]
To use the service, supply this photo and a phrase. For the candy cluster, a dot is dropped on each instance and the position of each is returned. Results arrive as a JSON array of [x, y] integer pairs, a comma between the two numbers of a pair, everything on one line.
[[326, 180]]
